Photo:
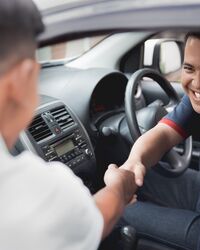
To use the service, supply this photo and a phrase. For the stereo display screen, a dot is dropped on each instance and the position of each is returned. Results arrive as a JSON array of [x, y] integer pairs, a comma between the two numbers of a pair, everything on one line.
[[64, 147]]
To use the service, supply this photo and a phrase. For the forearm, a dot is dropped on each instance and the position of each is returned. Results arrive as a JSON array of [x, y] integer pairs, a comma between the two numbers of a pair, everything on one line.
[[111, 205], [151, 146], [112, 199], [148, 150]]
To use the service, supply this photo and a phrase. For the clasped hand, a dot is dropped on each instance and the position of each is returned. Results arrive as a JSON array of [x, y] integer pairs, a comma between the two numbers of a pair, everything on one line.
[[122, 182]]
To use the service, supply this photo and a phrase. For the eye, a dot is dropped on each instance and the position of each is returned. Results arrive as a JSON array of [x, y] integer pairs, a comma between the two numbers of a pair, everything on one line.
[[188, 69]]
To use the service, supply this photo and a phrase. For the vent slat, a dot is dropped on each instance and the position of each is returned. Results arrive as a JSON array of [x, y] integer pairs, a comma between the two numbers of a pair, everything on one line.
[[43, 132], [35, 127], [60, 114], [62, 117], [58, 111], [39, 129]]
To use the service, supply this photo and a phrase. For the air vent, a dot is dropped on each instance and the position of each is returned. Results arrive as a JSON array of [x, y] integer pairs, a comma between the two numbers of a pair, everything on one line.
[[62, 117], [39, 129]]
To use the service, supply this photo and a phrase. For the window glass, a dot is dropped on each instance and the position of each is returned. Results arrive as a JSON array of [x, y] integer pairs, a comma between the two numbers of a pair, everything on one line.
[[68, 50]]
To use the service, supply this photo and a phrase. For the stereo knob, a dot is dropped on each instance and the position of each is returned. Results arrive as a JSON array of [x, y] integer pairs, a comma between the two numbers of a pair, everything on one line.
[[88, 152]]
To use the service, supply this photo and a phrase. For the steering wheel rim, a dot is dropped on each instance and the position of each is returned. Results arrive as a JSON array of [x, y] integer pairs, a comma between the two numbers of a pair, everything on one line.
[[178, 163]]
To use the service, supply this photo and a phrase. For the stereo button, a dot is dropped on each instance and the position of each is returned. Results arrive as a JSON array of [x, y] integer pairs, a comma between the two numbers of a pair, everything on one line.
[[57, 130]]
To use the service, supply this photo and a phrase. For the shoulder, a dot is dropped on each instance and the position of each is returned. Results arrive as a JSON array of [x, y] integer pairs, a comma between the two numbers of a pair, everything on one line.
[[48, 196], [183, 110], [48, 175], [179, 117], [186, 102], [57, 180]]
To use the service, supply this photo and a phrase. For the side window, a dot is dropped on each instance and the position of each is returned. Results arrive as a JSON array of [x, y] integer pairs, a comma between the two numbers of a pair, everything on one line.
[[163, 52], [132, 60]]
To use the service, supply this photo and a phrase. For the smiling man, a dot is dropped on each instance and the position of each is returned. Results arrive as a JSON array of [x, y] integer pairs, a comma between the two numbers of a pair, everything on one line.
[[176, 218], [43, 207], [191, 71]]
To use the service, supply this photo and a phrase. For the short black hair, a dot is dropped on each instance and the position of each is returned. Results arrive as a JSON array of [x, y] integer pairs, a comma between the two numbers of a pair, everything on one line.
[[20, 24], [194, 34]]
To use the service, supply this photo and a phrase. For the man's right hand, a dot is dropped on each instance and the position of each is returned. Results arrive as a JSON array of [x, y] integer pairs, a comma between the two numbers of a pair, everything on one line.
[[118, 192], [121, 181], [149, 149], [137, 168]]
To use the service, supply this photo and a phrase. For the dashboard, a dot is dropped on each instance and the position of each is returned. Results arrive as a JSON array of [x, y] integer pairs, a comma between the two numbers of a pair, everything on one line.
[[62, 129], [107, 96], [71, 124], [81, 120], [56, 134], [87, 92]]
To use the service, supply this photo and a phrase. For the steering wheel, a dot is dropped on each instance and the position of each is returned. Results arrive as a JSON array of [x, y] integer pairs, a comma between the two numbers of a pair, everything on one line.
[[148, 117]]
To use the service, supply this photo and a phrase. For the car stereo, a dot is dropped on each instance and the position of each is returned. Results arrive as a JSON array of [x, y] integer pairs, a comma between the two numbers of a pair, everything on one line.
[[56, 134], [71, 150]]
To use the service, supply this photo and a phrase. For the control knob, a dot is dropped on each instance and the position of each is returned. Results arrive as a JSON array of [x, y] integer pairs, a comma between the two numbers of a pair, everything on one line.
[[88, 152]]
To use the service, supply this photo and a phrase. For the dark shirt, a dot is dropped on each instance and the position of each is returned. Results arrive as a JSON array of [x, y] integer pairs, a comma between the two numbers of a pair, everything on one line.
[[184, 119]]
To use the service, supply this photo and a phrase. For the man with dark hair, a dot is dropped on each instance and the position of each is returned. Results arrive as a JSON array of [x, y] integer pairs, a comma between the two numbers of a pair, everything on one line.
[[18, 31], [176, 217], [38, 208]]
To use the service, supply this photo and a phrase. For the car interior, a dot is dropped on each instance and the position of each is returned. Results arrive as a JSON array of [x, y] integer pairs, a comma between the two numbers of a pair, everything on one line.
[[94, 105]]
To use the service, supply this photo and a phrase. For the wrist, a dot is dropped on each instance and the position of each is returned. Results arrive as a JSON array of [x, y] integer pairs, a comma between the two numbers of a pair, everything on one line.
[[124, 191], [131, 163], [118, 192]]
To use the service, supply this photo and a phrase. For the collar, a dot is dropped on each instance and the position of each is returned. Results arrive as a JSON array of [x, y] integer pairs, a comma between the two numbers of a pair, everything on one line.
[[3, 147]]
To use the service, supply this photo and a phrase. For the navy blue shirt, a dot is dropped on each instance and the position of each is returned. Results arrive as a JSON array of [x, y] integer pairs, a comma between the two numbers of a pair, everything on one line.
[[184, 119]]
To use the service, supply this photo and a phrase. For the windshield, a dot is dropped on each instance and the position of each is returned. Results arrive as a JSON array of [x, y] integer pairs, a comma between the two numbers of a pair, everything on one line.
[[68, 50]]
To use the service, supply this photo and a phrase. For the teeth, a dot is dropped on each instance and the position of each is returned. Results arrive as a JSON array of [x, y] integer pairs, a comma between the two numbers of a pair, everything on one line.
[[197, 95]]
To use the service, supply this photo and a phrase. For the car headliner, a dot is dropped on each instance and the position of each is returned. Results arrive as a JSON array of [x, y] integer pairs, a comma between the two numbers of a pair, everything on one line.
[[77, 17]]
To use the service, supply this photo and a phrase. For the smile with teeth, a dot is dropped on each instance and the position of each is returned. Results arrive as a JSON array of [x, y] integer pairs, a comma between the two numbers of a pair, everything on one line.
[[197, 94]]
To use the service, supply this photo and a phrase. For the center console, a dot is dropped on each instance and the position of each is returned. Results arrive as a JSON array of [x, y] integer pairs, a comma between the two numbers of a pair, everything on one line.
[[71, 150], [56, 134]]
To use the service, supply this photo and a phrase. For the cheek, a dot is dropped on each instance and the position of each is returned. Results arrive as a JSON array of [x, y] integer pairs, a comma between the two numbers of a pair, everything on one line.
[[32, 101], [186, 80], [35, 91], [33, 94]]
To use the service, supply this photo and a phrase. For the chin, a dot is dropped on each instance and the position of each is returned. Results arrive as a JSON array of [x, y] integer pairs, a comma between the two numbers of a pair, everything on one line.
[[194, 101], [196, 107]]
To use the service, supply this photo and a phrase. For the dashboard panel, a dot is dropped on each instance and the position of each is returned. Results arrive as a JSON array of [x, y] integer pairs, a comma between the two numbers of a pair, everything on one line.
[[93, 100], [56, 134], [107, 97], [78, 89], [79, 96]]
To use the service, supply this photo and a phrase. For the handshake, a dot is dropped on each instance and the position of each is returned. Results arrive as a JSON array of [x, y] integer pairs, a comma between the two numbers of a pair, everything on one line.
[[119, 191], [121, 182], [125, 179]]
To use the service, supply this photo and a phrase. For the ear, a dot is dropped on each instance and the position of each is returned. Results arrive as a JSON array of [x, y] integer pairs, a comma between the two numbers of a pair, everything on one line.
[[21, 76]]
